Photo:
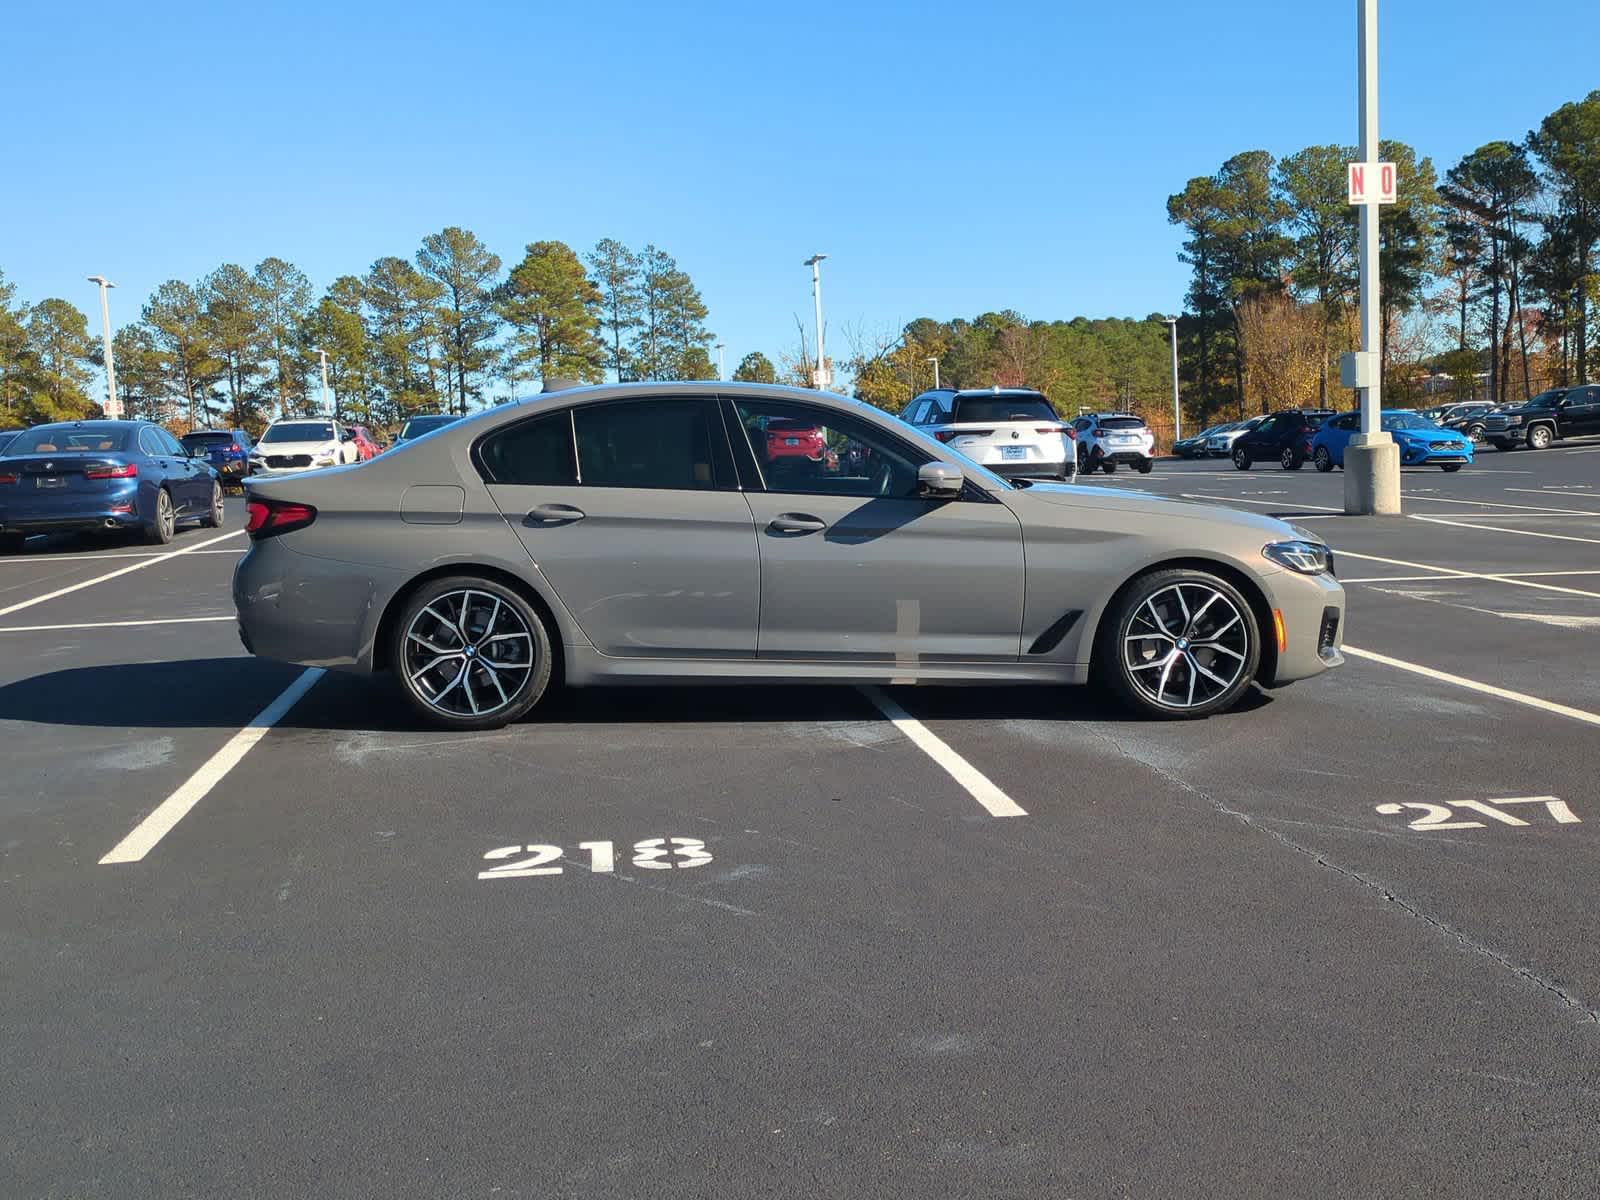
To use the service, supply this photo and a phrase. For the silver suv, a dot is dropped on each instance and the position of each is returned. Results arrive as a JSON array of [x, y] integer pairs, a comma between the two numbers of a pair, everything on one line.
[[1012, 431]]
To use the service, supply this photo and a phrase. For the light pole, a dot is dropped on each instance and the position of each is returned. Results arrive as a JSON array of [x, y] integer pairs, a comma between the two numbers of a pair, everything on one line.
[[113, 408], [720, 373], [935, 361], [1177, 411], [819, 377], [1371, 459], [323, 355]]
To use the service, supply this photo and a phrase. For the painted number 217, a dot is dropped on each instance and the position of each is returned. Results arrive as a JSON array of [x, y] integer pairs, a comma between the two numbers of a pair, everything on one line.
[[1437, 816], [652, 854]]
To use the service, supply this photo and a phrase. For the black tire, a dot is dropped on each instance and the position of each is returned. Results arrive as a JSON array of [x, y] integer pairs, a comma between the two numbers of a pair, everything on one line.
[[1114, 673], [1323, 459], [1540, 437], [1146, 466], [535, 679], [12, 543], [1083, 459], [213, 517], [1241, 460], [1289, 460], [164, 525], [1475, 434], [1450, 468], [1502, 444], [1110, 468]]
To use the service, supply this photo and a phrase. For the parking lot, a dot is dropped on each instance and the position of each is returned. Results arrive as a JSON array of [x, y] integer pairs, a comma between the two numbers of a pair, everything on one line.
[[722, 942]]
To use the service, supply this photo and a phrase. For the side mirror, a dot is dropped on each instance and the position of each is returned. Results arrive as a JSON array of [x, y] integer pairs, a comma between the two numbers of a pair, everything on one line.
[[939, 481]]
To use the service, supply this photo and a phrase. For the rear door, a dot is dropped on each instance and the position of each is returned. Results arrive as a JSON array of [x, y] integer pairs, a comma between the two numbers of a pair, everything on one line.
[[631, 509], [1581, 411], [856, 566]]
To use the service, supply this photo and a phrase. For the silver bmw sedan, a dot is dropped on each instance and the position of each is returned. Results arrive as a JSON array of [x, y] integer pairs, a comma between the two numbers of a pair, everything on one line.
[[741, 533]]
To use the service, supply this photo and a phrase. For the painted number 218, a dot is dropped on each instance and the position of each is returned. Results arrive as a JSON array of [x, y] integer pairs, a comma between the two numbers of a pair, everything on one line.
[[652, 854]]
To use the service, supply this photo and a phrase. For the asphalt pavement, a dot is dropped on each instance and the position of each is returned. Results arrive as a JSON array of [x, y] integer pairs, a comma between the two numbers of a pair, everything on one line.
[[728, 942]]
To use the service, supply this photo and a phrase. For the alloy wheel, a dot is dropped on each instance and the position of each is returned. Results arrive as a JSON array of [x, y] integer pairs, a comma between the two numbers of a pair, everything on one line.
[[1185, 645], [468, 654], [166, 519]]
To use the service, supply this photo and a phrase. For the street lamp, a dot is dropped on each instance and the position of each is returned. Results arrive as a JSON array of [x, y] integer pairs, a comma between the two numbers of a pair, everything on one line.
[[323, 355], [113, 408], [819, 377], [934, 359], [720, 373], [1177, 412]]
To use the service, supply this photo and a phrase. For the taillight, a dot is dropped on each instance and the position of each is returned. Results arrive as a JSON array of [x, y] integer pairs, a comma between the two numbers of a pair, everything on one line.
[[268, 518], [8, 478], [233, 449], [947, 435], [1050, 429], [125, 471]]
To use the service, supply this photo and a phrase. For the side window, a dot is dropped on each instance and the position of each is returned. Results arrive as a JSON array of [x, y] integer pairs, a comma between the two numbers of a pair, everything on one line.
[[170, 444], [1270, 425], [815, 451], [149, 443], [530, 452], [663, 444], [919, 412]]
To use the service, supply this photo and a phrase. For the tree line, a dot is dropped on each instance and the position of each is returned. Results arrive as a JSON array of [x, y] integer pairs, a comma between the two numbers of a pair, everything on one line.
[[1487, 275], [436, 332]]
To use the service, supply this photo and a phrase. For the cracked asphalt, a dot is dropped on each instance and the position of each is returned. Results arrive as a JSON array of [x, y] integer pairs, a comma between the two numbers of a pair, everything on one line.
[[1340, 942]]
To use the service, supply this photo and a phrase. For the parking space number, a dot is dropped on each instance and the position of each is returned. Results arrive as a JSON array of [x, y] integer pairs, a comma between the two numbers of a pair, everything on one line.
[[651, 854], [1439, 816]]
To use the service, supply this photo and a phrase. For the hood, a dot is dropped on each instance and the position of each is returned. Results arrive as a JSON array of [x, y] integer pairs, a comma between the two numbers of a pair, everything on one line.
[[1426, 435], [1090, 498]]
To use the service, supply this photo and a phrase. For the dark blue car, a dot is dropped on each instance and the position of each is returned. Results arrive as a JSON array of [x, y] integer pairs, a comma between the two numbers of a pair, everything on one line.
[[228, 450], [103, 475]]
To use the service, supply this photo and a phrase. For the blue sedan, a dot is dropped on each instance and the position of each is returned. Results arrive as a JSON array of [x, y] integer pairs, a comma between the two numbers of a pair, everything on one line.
[[103, 475], [1421, 442]]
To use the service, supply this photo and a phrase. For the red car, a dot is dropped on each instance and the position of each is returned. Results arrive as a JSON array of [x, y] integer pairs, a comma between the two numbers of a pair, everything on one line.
[[794, 439], [367, 447]]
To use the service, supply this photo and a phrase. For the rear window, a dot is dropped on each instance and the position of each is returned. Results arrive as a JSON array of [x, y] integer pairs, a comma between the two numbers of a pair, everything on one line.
[[1121, 423], [207, 439], [300, 431], [417, 426], [789, 425], [1001, 408], [1314, 420], [69, 441]]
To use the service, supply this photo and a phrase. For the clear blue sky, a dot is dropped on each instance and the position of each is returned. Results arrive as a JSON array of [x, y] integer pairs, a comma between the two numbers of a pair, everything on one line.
[[950, 158]]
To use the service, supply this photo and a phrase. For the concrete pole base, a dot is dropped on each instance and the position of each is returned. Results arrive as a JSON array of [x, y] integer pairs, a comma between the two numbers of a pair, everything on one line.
[[1372, 476]]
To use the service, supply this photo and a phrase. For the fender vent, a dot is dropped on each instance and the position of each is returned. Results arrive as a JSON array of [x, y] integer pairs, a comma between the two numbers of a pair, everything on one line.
[[1051, 638]]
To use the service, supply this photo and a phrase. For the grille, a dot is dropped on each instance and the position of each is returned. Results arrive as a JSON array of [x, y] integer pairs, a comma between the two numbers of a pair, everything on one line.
[[1496, 422], [1329, 633], [288, 460]]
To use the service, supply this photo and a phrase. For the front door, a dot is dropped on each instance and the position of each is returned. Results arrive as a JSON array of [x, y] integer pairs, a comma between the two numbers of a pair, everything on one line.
[[855, 565], [643, 534]]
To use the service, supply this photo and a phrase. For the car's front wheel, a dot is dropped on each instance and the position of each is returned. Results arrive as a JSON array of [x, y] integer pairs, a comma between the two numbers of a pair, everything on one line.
[[1241, 460], [471, 653], [1450, 468], [1475, 434], [1323, 459], [1178, 644], [1539, 437]]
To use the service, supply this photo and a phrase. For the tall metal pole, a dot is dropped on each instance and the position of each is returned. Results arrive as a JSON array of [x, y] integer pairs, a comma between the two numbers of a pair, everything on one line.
[[113, 408], [721, 373], [935, 363], [323, 355], [1177, 410], [820, 379], [1371, 459]]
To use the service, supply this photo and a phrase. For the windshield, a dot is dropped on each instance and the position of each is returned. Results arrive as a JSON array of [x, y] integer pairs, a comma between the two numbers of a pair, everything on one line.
[[1405, 420], [299, 431], [417, 426], [1545, 400], [62, 439], [1001, 408]]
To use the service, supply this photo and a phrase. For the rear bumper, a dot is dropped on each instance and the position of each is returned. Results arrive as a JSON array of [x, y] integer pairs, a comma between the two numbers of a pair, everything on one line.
[[1030, 470], [1134, 455], [114, 508], [313, 611]]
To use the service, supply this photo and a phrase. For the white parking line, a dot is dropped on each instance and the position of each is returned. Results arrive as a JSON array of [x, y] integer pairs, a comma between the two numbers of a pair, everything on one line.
[[39, 559], [149, 832], [120, 571], [1559, 537], [113, 624], [1488, 689], [1533, 508], [1505, 577], [1453, 573], [968, 776]]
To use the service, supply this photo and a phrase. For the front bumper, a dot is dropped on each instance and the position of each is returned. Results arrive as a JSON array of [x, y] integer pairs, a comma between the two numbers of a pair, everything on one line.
[[1420, 455], [1313, 611]]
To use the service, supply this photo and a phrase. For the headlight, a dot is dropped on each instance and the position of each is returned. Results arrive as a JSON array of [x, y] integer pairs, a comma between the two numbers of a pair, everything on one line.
[[322, 460], [1308, 558], [1513, 420]]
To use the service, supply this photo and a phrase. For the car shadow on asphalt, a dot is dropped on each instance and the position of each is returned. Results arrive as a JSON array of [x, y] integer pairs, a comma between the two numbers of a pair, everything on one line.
[[227, 693]]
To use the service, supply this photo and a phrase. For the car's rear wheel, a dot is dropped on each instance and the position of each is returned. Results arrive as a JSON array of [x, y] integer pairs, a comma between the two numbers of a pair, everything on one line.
[[12, 543], [213, 517], [1475, 434], [1179, 644], [1323, 459], [471, 653], [1146, 465], [164, 524], [1241, 460], [1110, 468]]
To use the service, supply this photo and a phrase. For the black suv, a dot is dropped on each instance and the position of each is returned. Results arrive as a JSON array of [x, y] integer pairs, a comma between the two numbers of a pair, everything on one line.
[[1284, 438], [1549, 416]]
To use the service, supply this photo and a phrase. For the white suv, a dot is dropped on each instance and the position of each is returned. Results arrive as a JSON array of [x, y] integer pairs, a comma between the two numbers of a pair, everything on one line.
[[1012, 431], [1106, 439], [303, 444]]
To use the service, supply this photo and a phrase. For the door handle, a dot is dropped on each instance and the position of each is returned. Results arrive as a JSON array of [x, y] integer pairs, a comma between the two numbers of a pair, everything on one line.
[[562, 513], [796, 523]]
